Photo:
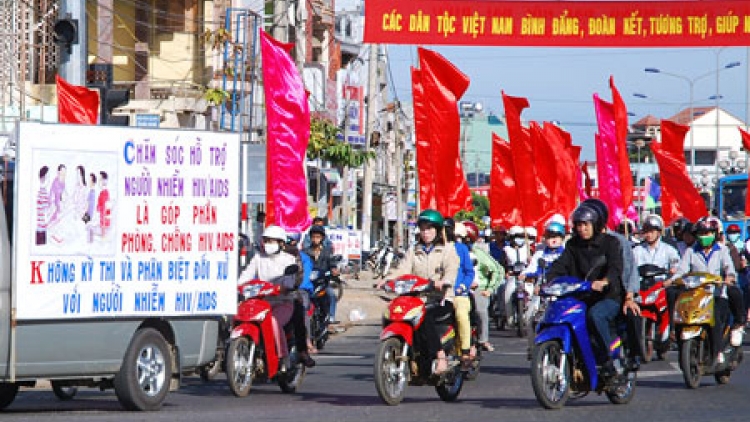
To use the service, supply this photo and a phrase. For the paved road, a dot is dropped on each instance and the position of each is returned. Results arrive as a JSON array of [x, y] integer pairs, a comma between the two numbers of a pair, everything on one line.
[[341, 388]]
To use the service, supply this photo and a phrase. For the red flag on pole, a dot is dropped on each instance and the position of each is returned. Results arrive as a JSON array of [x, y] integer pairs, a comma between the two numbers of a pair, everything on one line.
[[504, 206], [566, 163], [288, 121], [76, 104], [443, 85], [587, 183], [621, 138], [746, 145], [674, 175], [530, 193], [425, 159]]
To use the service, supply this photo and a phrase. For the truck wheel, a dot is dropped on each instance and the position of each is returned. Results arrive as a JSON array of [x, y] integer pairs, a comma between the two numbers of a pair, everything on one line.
[[8, 391], [144, 377]]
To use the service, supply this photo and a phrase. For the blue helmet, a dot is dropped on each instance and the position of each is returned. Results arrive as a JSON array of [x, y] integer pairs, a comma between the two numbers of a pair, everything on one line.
[[555, 229]]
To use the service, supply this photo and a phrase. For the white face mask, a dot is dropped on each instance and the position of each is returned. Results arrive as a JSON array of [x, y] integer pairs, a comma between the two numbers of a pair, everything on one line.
[[519, 241], [734, 237], [271, 247]]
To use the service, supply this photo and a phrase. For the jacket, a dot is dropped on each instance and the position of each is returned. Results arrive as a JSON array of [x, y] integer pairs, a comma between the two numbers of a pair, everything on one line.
[[438, 263], [580, 257], [465, 277], [488, 271]]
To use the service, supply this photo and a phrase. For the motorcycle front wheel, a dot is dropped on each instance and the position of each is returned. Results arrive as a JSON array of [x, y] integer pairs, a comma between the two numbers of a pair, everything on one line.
[[520, 320], [690, 362], [449, 390], [647, 339], [391, 374], [240, 365], [551, 375]]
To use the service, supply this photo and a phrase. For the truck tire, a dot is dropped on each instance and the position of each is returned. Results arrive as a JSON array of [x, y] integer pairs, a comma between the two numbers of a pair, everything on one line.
[[8, 391], [144, 378]]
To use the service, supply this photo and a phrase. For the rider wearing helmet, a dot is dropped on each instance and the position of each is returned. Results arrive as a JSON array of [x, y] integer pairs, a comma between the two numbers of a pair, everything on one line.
[[589, 245], [322, 258], [711, 256], [488, 274], [432, 258], [270, 265]]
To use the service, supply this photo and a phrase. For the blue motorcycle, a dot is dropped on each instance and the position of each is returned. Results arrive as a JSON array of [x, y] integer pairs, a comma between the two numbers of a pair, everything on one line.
[[563, 363]]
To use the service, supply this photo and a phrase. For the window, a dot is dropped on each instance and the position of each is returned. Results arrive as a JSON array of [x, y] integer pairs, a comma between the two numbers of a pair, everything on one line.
[[702, 158]]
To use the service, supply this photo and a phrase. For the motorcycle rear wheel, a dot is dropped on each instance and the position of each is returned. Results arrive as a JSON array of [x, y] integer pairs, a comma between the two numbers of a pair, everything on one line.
[[449, 390], [241, 365], [623, 394], [690, 364], [551, 385], [390, 380], [292, 379]]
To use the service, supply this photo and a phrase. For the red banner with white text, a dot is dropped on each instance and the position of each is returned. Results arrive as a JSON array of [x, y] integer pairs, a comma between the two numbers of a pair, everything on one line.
[[638, 23]]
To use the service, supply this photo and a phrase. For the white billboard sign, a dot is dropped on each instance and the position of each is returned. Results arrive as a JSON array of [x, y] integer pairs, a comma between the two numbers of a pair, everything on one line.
[[122, 221]]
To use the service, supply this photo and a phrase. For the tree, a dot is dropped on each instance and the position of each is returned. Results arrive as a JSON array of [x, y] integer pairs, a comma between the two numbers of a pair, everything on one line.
[[481, 209]]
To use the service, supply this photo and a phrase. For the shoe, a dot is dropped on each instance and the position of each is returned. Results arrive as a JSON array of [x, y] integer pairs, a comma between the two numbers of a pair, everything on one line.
[[284, 364], [307, 360], [488, 347], [608, 370], [735, 339]]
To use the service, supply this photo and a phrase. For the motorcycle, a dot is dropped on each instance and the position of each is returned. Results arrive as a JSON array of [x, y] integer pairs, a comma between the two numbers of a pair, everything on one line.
[[693, 320], [252, 348], [319, 308], [563, 362], [402, 357], [514, 297], [652, 299]]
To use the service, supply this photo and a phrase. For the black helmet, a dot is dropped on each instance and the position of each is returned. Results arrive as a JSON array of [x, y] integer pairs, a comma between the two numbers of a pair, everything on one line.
[[599, 206], [653, 222], [318, 229], [706, 225], [588, 214], [626, 225], [680, 226], [449, 223]]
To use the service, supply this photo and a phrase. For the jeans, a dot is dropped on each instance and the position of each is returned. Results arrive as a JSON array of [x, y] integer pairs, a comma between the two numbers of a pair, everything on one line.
[[602, 316], [332, 301], [482, 305]]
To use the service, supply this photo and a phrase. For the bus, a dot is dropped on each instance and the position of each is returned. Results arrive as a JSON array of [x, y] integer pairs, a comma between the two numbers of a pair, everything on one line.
[[730, 196]]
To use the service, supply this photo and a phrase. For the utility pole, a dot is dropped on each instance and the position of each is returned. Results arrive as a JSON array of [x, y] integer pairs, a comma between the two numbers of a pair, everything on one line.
[[372, 90], [281, 23], [73, 65], [398, 238]]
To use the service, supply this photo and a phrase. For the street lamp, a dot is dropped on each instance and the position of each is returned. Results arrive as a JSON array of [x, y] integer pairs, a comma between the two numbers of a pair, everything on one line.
[[691, 84], [733, 165]]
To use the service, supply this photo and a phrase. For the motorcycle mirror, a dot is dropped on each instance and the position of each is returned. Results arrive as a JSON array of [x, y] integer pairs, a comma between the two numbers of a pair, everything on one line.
[[291, 269]]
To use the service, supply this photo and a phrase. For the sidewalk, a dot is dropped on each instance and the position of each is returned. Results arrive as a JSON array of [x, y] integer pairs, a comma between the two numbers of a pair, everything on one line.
[[361, 297]]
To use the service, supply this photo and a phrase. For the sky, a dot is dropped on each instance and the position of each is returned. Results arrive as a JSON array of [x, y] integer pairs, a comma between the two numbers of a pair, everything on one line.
[[560, 82]]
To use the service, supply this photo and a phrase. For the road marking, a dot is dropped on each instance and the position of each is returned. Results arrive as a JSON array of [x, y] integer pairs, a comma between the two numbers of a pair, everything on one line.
[[317, 357]]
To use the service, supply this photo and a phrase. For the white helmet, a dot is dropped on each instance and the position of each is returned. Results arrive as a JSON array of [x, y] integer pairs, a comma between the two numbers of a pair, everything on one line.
[[515, 231], [556, 218], [531, 232], [275, 232], [460, 230]]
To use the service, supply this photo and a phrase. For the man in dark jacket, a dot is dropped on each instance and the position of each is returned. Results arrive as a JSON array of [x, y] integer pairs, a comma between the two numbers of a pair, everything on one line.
[[597, 256]]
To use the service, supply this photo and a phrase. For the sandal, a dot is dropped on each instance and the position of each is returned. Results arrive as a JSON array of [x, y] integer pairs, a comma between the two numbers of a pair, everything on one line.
[[488, 347], [437, 369]]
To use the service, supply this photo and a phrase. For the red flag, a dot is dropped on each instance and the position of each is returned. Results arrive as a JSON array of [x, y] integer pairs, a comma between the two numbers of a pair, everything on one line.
[[504, 206], [545, 162], [674, 175], [566, 175], [746, 145], [621, 138], [443, 85], [672, 143], [425, 159], [288, 121], [587, 183], [530, 193], [76, 104]]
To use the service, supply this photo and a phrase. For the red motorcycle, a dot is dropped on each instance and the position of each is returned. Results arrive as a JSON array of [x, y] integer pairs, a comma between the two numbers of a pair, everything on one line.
[[654, 312], [402, 357], [252, 347]]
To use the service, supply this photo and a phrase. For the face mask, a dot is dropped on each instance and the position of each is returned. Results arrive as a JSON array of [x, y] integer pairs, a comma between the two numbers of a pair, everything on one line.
[[519, 241], [734, 237], [706, 240], [271, 247]]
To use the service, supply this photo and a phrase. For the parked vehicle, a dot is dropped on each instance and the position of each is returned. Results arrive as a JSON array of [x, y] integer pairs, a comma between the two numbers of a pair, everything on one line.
[[402, 358], [104, 284], [652, 300], [693, 321], [563, 362], [252, 347]]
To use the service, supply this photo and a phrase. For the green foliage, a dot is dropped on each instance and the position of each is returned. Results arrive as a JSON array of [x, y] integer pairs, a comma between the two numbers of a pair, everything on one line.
[[216, 96], [323, 144], [481, 209]]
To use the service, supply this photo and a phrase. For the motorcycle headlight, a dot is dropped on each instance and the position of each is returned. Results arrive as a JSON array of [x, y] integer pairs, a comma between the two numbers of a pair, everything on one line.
[[251, 290], [403, 286], [692, 281]]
